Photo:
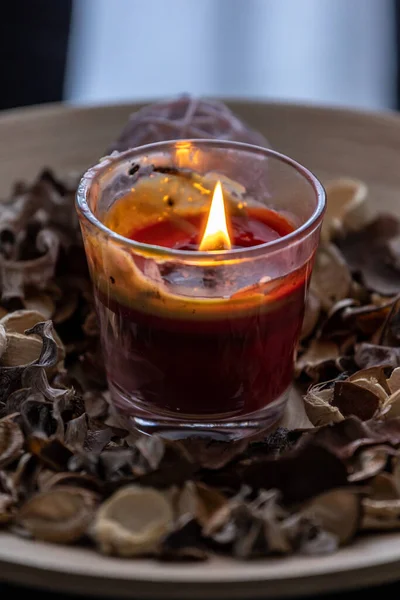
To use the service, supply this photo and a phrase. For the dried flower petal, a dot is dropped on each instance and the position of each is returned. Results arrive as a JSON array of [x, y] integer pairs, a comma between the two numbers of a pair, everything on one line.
[[185, 543], [41, 303], [345, 438], [374, 380], [383, 487], [353, 399], [380, 514], [347, 207], [199, 502], [320, 357], [11, 441], [75, 434], [318, 405], [331, 277], [58, 515], [394, 380], [303, 473], [212, 454], [377, 272], [369, 462], [337, 512], [371, 355], [133, 522]]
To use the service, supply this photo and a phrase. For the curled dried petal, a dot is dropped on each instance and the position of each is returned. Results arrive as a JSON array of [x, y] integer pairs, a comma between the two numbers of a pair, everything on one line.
[[380, 514], [318, 405], [41, 303], [352, 399], [347, 207], [372, 355], [378, 272], [59, 515], [369, 462], [336, 511], [7, 509], [133, 522], [199, 501], [383, 487], [394, 380], [11, 441], [331, 279], [320, 357]]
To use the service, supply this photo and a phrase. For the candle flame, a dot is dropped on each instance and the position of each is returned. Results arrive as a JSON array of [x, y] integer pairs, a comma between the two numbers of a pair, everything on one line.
[[216, 235]]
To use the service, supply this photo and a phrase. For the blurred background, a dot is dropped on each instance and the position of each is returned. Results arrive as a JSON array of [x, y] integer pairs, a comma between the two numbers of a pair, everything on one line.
[[337, 52]]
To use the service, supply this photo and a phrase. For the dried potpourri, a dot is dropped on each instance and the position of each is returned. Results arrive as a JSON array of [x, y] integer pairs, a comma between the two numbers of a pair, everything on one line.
[[184, 117], [71, 471]]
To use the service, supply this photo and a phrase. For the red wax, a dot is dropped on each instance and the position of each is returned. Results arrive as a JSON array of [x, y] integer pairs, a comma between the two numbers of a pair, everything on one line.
[[232, 365], [255, 228]]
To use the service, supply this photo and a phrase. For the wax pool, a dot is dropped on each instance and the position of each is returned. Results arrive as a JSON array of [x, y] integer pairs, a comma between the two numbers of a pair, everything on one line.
[[232, 364]]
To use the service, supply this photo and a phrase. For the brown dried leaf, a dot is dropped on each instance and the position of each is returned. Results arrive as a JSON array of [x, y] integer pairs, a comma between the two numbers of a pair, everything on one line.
[[41, 303], [394, 380], [352, 399], [11, 441], [334, 326], [371, 355], [383, 487], [199, 501], [97, 439], [36, 272], [66, 306], [345, 438], [59, 515], [331, 277], [96, 404], [378, 271], [24, 479], [185, 543], [7, 509], [21, 350], [336, 511], [75, 480], [374, 380], [250, 529], [301, 474], [380, 514], [390, 334], [347, 207], [391, 407], [212, 454], [366, 319], [51, 452], [37, 416], [319, 357], [3, 340], [75, 434], [368, 462]]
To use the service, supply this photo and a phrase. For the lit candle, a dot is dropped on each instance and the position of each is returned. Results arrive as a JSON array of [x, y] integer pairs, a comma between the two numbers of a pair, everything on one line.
[[200, 295]]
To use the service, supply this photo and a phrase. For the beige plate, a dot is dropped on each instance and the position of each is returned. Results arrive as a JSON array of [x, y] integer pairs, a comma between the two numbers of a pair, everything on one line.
[[330, 142]]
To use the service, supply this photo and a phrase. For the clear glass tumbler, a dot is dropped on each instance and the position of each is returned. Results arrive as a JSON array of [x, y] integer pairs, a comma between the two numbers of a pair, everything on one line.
[[199, 341]]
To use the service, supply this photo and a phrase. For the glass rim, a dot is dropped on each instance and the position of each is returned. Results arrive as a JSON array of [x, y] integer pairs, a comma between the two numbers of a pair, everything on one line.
[[92, 174]]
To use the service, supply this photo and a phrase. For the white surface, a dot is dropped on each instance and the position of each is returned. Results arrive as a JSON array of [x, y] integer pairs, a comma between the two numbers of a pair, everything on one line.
[[336, 52]]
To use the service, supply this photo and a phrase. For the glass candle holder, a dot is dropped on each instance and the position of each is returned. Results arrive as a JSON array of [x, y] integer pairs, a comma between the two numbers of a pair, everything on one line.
[[196, 340]]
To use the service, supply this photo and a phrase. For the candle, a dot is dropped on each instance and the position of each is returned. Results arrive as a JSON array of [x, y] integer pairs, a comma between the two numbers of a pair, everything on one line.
[[200, 280]]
